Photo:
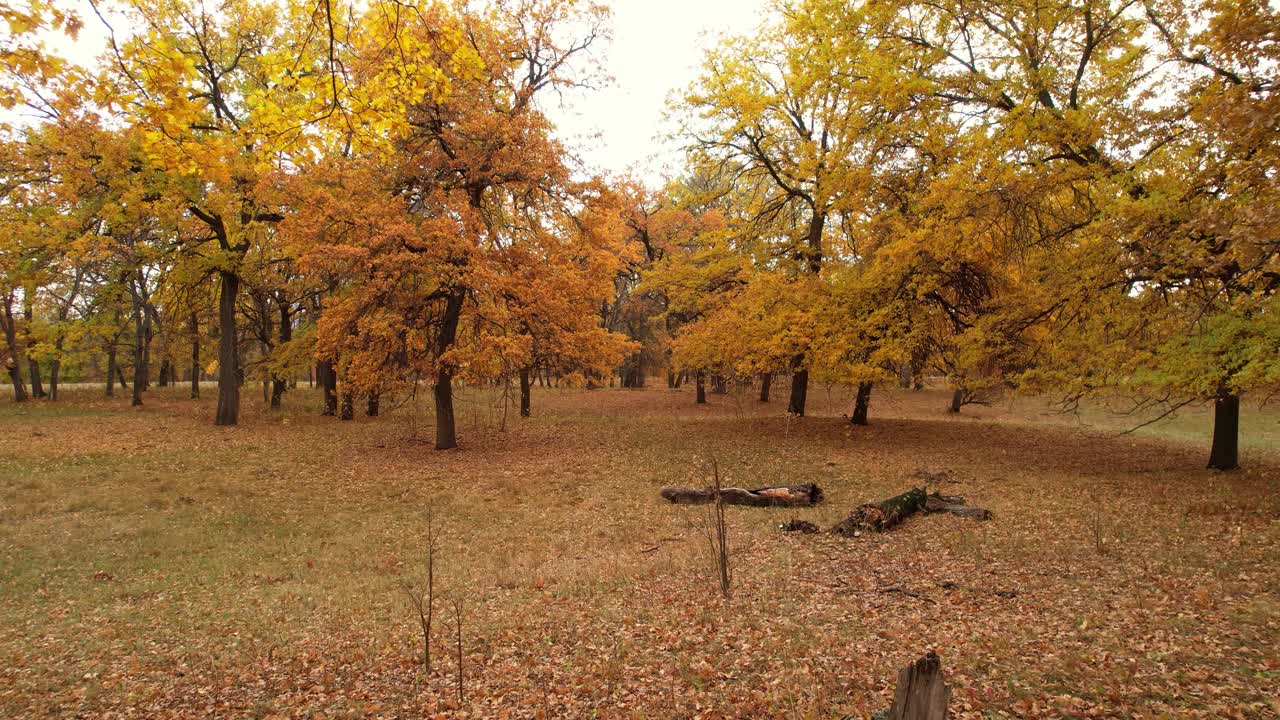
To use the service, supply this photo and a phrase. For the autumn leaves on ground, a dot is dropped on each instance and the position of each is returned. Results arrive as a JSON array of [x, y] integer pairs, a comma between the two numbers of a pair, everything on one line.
[[153, 568]]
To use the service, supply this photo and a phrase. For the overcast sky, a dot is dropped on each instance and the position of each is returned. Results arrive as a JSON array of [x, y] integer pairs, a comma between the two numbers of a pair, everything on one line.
[[656, 49]]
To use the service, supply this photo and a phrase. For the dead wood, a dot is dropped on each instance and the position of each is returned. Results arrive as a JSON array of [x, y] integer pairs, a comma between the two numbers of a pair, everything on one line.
[[878, 517], [773, 496]]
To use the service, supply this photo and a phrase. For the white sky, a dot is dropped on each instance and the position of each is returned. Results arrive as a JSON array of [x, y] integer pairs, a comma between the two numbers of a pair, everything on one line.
[[656, 49]]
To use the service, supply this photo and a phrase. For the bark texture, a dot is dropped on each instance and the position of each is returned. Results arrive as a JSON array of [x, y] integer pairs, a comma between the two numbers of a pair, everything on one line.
[[878, 517], [1225, 453], [772, 496], [228, 353], [921, 693]]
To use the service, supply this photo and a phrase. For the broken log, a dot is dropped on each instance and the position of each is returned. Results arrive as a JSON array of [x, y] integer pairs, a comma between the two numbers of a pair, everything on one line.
[[773, 496], [800, 526], [882, 516], [921, 693], [954, 504]]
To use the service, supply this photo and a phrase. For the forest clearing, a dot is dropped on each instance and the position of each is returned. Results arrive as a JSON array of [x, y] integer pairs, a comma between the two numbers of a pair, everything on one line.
[[153, 567], [812, 359]]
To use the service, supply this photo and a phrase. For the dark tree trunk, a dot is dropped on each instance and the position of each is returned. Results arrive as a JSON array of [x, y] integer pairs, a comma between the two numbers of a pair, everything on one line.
[[193, 326], [671, 379], [111, 370], [957, 401], [15, 377], [718, 386], [799, 386], [328, 379], [766, 380], [279, 384], [446, 433], [371, 407], [141, 329], [525, 388], [13, 365], [228, 354], [164, 372], [861, 403], [120, 376], [37, 387], [1224, 455], [33, 366], [700, 383], [633, 372], [55, 372], [348, 406]]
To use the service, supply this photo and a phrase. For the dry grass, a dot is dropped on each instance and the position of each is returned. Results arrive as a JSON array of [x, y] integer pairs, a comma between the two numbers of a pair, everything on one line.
[[152, 565]]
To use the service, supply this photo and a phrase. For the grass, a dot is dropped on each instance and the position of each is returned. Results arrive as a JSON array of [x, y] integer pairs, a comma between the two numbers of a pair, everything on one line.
[[153, 565]]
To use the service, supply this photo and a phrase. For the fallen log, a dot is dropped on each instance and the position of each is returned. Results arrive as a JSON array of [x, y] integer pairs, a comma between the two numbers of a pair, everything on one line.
[[954, 504], [878, 517], [882, 516], [773, 496]]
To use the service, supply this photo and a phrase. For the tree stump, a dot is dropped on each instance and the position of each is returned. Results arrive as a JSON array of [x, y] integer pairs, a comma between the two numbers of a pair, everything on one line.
[[921, 693]]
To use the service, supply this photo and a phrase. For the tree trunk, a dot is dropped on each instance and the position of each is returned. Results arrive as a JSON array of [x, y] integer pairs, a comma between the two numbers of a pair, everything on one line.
[[525, 387], [228, 354], [327, 376], [446, 433], [921, 693], [1224, 455], [33, 365], [904, 376], [55, 371], [861, 404], [37, 387], [371, 406], [164, 372], [141, 322], [279, 383], [772, 496], [15, 377], [193, 326], [120, 376], [671, 379], [957, 401], [766, 380], [799, 386], [701, 384], [718, 385], [111, 370], [348, 406], [13, 364]]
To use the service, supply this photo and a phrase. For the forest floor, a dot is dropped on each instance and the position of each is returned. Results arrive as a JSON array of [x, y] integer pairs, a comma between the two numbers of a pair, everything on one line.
[[152, 565]]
